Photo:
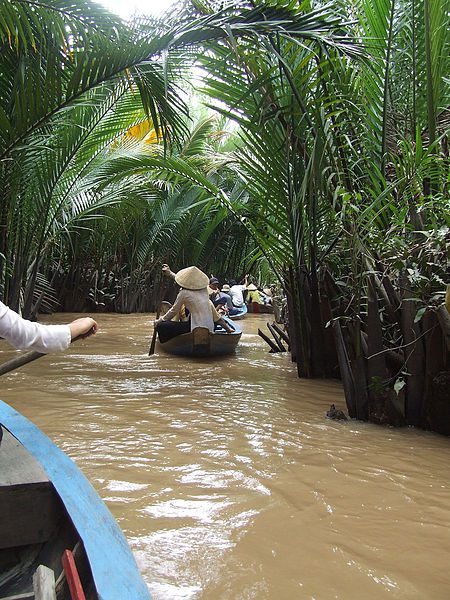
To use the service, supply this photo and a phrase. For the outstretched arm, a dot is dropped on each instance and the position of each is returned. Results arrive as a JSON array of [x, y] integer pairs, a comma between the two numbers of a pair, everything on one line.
[[23, 334]]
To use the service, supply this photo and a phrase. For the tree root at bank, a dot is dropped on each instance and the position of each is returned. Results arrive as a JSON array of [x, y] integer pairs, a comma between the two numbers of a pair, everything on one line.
[[393, 358]]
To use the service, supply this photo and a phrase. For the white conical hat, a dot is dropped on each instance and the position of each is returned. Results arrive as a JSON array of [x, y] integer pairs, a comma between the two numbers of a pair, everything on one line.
[[192, 278]]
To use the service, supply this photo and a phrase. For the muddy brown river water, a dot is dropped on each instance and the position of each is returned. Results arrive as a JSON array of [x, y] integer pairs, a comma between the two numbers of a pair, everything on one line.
[[228, 480]]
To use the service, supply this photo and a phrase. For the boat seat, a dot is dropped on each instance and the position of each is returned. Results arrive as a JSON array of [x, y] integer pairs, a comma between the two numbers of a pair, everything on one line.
[[44, 583], [29, 505], [201, 341]]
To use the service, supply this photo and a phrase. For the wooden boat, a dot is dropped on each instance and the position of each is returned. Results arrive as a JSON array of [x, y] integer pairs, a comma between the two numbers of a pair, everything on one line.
[[202, 342], [256, 307], [241, 314], [58, 541]]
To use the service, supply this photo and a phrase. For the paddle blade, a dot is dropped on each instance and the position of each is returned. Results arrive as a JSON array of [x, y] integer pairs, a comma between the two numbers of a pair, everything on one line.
[[152, 343]]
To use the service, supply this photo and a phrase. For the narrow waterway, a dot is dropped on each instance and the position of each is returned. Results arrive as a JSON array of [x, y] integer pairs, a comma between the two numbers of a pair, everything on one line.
[[228, 480]]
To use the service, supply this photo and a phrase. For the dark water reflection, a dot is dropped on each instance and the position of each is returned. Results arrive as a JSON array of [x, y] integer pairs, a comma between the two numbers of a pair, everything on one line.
[[229, 482]]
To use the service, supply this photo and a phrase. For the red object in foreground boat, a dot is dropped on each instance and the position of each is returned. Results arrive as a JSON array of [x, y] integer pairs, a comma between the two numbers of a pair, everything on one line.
[[47, 506], [73, 579]]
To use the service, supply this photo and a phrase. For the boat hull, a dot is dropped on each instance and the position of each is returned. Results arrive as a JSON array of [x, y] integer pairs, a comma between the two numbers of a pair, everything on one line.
[[255, 307], [240, 315], [201, 342], [51, 499]]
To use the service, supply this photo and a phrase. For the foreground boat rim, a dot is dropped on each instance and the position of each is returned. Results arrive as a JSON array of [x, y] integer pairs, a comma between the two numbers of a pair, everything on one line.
[[114, 569]]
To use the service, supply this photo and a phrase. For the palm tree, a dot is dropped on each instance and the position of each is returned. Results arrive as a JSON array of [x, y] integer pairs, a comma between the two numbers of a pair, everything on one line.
[[71, 62], [327, 173], [151, 215]]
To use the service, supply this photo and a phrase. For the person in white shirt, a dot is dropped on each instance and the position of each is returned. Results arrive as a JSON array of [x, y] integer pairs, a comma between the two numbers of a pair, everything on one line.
[[26, 335], [236, 292], [194, 296]]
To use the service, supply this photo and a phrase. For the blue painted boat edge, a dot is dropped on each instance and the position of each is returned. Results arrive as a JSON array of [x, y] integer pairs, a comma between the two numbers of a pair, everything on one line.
[[240, 315], [113, 565]]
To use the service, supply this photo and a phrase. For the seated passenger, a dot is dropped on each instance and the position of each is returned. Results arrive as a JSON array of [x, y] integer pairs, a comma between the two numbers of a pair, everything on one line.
[[253, 295], [194, 296], [268, 294], [231, 309], [218, 297], [236, 292]]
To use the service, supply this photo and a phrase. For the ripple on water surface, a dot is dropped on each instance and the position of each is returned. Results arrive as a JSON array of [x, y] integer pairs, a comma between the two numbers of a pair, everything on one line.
[[229, 482]]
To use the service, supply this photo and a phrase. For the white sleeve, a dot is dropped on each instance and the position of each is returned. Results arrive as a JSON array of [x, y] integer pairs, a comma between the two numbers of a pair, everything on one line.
[[175, 308], [24, 334]]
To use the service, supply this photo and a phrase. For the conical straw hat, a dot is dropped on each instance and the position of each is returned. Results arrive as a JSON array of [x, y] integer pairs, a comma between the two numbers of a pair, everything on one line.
[[192, 278], [252, 287]]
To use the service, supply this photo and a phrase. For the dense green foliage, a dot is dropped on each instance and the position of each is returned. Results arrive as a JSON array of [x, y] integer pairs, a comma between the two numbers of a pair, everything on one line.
[[324, 148]]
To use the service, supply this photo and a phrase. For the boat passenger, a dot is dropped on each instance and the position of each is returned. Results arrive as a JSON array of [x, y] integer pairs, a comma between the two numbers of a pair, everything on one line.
[[231, 309], [269, 293], [24, 334], [194, 296], [237, 292], [217, 296], [253, 294]]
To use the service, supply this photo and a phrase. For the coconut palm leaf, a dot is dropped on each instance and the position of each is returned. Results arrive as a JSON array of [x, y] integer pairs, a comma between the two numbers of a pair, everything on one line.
[[437, 61]]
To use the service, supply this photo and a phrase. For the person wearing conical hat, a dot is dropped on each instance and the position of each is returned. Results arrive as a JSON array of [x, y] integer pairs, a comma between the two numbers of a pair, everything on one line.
[[253, 294], [194, 296]]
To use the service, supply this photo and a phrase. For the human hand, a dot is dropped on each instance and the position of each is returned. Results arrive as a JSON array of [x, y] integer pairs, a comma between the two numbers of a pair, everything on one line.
[[167, 271], [83, 327]]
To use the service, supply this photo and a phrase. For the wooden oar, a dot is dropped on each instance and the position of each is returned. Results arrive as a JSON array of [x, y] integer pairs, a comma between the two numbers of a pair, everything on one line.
[[163, 308], [28, 357], [159, 311], [151, 350]]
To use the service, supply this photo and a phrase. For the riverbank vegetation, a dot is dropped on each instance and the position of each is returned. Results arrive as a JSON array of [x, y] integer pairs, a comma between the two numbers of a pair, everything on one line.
[[300, 141]]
